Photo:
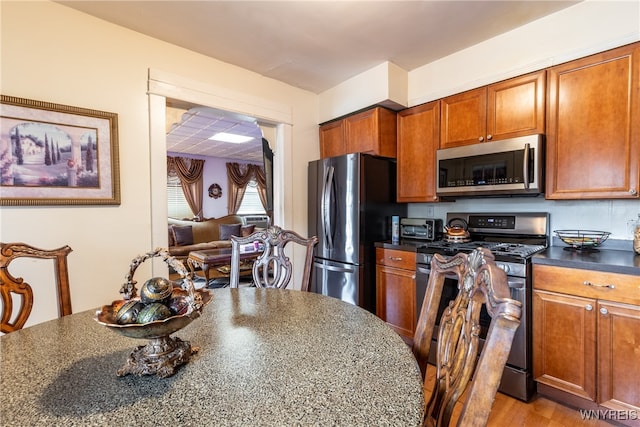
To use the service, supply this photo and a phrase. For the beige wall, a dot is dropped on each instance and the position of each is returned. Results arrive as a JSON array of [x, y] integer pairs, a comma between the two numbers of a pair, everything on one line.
[[588, 27], [580, 30], [56, 54]]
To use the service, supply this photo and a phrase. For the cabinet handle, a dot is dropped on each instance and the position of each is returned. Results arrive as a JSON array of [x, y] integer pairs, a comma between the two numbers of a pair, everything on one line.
[[413, 277], [633, 191], [597, 285], [588, 307], [604, 311], [480, 139], [489, 137], [394, 258]]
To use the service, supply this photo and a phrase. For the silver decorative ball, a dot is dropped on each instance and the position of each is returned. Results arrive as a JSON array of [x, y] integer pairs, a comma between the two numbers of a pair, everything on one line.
[[157, 289], [152, 312], [128, 312]]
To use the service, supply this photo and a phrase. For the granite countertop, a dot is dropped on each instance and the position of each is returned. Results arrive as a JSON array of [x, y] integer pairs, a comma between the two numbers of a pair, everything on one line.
[[607, 260], [267, 357]]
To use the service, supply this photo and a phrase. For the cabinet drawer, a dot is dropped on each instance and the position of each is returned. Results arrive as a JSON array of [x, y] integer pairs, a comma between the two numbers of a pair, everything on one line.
[[588, 283], [396, 258]]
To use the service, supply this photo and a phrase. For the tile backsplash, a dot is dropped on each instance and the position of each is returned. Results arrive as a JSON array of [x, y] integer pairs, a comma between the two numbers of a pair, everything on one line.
[[602, 215]]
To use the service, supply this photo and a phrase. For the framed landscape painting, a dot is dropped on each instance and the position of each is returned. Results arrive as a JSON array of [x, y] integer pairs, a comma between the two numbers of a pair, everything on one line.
[[53, 154]]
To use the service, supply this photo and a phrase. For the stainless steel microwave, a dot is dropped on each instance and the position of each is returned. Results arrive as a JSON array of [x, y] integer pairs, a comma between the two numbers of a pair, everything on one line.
[[509, 167]]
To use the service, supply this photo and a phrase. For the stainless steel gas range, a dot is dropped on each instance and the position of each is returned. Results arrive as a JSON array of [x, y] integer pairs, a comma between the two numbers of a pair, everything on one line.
[[513, 238]]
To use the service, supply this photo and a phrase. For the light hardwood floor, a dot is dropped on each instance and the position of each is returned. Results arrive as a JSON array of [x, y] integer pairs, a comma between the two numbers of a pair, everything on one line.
[[539, 412]]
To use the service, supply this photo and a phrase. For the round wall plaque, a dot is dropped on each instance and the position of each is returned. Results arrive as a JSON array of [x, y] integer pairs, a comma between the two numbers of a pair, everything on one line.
[[215, 191]]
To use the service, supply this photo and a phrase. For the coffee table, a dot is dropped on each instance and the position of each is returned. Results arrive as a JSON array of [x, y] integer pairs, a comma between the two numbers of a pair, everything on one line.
[[214, 258]]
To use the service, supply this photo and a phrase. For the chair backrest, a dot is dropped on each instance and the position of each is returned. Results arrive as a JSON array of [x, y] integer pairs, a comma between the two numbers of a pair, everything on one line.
[[480, 281], [272, 268], [11, 286]]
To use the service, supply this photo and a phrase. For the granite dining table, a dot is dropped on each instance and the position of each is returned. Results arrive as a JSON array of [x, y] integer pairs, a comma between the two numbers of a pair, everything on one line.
[[267, 357]]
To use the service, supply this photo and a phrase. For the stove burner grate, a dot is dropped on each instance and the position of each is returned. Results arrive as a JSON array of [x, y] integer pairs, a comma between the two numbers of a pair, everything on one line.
[[517, 250]]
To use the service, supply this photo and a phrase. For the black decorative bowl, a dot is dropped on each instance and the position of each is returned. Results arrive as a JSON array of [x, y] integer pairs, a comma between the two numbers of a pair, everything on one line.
[[582, 240]]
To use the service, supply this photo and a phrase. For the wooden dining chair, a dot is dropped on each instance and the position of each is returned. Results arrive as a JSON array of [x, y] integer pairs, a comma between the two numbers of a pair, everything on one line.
[[272, 268], [15, 288], [480, 281]]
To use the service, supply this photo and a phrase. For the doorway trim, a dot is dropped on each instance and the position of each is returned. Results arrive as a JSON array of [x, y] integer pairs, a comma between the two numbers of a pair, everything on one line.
[[163, 85]]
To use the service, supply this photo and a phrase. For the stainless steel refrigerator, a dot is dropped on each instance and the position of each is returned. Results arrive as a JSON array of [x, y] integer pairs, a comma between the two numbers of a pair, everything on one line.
[[351, 201]]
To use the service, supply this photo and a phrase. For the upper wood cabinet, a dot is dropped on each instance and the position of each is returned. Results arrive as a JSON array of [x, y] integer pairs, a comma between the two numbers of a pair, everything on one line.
[[418, 140], [507, 109], [332, 139], [593, 126], [372, 131]]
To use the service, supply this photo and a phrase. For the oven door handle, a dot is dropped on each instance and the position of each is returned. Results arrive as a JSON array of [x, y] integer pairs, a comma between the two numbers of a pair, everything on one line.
[[427, 271], [517, 284], [422, 270]]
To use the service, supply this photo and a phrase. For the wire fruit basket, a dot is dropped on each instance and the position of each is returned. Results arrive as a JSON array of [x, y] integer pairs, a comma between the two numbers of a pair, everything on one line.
[[582, 240], [163, 354]]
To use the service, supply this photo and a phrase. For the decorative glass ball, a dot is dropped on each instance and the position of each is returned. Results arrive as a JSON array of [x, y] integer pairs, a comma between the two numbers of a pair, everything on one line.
[[178, 305], [157, 289], [152, 312], [128, 312]]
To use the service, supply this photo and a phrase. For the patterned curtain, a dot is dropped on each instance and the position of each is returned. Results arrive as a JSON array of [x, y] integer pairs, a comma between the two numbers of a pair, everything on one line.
[[189, 171], [239, 176]]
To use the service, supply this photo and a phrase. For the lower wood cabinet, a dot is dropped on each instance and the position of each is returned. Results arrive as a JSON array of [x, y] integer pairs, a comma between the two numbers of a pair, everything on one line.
[[396, 290], [586, 335], [565, 342]]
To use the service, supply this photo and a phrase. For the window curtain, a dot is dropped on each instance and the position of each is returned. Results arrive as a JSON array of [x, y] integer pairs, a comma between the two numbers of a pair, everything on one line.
[[189, 171], [239, 176]]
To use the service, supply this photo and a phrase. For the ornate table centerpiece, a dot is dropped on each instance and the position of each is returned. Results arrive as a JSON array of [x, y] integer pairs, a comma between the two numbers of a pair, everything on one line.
[[160, 310]]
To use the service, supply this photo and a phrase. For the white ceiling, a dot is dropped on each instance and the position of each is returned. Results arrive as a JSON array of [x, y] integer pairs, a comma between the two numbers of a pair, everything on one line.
[[315, 45], [190, 133]]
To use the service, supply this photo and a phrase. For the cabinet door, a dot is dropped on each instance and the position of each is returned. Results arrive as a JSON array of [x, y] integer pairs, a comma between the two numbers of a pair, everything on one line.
[[619, 356], [464, 118], [516, 107], [564, 343], [396, 299], [418, 139], [332, 140], [372, 131], [593, 126]]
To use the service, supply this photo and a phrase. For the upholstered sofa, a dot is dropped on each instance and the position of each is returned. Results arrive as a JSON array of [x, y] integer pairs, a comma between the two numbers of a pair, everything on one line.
[[186, 236]]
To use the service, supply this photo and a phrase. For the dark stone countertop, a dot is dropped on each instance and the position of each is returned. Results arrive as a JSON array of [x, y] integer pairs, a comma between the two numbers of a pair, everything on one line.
[[607, 260], [403, 245]]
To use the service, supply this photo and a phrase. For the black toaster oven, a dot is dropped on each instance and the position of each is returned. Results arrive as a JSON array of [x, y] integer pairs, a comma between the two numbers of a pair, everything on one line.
[[421, 228]]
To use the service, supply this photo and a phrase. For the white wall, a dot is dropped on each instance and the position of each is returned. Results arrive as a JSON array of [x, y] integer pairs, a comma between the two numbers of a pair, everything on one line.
[[614, 216], [56, 54], [586, 28]]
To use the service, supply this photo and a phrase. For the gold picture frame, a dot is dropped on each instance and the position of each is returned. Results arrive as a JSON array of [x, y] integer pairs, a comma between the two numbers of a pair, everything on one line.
[[52, 154]]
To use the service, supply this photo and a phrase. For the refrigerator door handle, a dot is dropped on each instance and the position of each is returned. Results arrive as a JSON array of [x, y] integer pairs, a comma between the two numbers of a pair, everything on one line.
[[326, 205], [333, 268]]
